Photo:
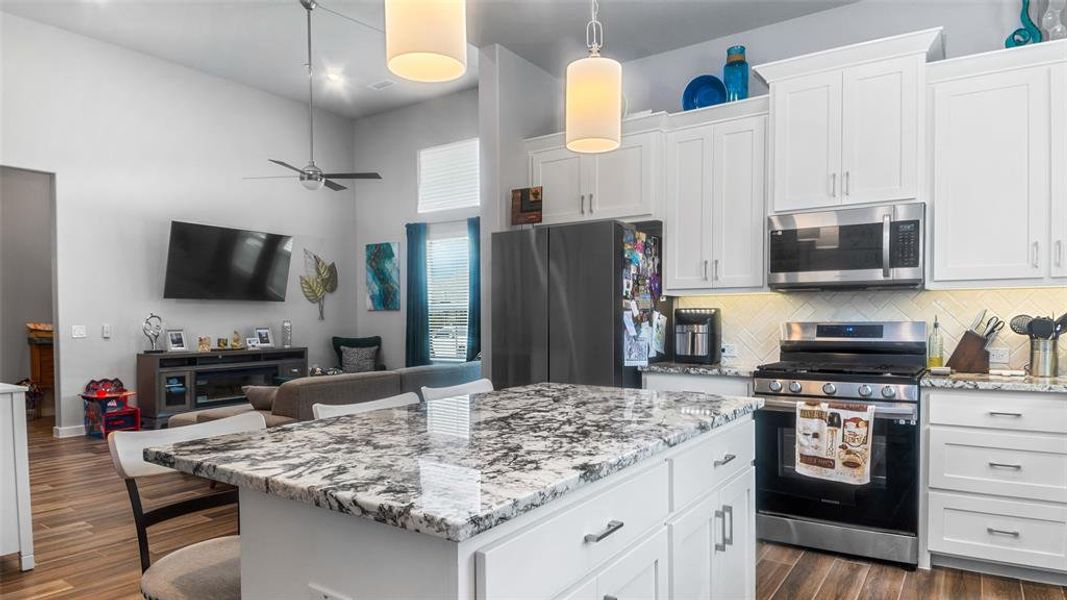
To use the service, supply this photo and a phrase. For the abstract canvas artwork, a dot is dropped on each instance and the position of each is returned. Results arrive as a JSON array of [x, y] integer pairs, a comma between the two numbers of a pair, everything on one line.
[[383, 276]]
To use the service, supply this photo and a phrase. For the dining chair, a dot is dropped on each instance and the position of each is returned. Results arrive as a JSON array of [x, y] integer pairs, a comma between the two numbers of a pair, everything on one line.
[[323, 411], [207, 570], [478, 386]]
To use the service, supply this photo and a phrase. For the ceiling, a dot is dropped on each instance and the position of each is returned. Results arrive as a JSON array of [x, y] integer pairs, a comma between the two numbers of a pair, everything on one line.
[[261, 43]]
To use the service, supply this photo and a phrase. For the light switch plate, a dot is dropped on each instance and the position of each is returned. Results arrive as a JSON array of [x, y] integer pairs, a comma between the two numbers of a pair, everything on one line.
[[78, 331], [105, 331], [729, 351], [999, 355]]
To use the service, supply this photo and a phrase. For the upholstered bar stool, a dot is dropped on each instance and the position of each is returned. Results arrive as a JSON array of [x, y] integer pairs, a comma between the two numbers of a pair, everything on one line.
[[208, 570]]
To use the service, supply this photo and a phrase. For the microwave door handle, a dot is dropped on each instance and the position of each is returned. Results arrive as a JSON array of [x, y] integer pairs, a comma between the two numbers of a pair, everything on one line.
[[886, 223]]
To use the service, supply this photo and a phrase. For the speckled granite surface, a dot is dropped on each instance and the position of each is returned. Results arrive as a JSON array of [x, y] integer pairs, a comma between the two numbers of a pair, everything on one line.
[[456, 467], [968, 381], [674, 368]]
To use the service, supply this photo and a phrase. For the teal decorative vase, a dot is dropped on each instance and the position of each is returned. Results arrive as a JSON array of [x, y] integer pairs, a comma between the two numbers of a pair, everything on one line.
[[1028, 33]]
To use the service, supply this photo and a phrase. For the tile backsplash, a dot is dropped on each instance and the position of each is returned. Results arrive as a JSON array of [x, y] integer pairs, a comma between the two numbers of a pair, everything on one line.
[[752, 322]]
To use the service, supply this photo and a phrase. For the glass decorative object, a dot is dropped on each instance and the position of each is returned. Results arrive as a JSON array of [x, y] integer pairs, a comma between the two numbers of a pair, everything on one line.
[[735, 74], [287, 334], [1052, 21], [1028, 33]]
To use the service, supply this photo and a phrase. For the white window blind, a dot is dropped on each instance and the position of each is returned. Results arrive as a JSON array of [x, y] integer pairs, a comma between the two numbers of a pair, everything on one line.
[[448, 176], [447, 279]]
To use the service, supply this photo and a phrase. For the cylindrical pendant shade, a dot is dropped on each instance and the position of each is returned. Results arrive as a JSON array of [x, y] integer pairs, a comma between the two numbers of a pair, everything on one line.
[[594, 105], [426, 40]]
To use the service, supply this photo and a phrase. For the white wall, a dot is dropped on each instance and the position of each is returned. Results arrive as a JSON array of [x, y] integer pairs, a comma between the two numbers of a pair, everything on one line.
[[656, 82], [389, 143], [25, 264], [135, 142]]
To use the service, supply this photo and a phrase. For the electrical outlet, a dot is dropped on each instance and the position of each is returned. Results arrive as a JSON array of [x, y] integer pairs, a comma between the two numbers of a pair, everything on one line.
[[105, 331], [729, 351], [999, 355], [78, 331], [317, 592]]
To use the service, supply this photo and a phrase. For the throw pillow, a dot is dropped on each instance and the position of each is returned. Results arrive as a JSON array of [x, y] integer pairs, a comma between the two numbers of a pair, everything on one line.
[[261, 396], [358, 360], [362, 342]]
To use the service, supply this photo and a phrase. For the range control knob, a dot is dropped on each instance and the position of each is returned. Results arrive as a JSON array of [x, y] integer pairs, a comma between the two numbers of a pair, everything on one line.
[[865, 390], [889, 391], [829, 389], [775, 386], [795, 387]]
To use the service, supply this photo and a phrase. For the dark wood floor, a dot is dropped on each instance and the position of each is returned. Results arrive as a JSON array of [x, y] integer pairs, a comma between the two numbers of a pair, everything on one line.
[[86, 546]]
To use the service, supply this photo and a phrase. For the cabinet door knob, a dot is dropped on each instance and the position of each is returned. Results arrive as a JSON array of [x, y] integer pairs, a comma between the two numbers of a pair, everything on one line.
[[612, 527]]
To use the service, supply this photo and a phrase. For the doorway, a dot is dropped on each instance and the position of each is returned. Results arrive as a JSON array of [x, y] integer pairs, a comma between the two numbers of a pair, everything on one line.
[[27, 287]]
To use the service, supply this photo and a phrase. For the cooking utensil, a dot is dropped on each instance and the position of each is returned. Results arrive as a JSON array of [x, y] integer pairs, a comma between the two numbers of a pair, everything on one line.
[[978, 321], [1041, 328], [1019, 324], [992, 328], [1061, 324]]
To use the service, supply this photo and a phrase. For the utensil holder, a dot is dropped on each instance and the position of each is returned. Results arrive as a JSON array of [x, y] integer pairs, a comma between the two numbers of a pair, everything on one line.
[[970, 355], [1043, 358]]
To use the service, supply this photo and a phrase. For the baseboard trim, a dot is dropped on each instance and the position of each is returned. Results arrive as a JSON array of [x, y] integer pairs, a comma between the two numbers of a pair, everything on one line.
[[69, 431], [999, 569]]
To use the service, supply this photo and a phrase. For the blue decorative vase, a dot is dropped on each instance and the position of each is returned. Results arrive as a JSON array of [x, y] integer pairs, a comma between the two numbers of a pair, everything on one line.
[[735, 74], [1028, 33]]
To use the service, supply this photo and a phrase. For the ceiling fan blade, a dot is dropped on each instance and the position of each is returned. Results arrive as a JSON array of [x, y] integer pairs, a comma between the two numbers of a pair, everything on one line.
[[273, 177], [334, 186], [352, 175], [286, 165]]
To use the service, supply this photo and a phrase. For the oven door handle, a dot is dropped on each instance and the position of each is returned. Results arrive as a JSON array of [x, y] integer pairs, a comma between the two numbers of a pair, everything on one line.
[[882, 410]]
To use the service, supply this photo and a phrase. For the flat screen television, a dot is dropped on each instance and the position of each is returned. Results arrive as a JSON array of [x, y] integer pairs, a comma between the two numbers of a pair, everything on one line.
[[218, 263]]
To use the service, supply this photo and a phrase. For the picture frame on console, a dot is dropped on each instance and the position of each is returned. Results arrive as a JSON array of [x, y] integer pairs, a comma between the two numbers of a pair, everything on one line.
[[252, 343], [266, 340], [176, 340]]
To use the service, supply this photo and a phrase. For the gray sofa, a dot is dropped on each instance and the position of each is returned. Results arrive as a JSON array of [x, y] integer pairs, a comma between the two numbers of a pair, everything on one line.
[[292, 401]]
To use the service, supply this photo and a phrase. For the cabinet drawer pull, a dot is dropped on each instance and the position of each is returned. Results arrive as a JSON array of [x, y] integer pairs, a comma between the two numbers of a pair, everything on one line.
[[610, 597], [612, 527], [1037, 255], [997, 413], [848, 180], [997, 465], [721, 547], [705, 270], [833, 185], [715, 269], [591, 211], [991, 531], [726, 459], [1059, 253], [581, 203], [729, 510]]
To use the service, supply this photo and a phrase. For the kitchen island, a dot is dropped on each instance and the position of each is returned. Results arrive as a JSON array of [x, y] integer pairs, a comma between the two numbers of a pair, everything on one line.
[[543, 491]]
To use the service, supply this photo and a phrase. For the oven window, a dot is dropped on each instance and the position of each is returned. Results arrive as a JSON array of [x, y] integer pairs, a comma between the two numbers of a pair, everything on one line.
[[834, 248]]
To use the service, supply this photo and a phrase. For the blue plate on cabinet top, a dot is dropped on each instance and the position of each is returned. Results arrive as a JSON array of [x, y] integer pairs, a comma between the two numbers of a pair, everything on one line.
[[705, 90]]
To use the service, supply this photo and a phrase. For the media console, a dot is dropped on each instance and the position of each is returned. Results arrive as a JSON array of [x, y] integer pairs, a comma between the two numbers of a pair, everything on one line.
[[169, 383]]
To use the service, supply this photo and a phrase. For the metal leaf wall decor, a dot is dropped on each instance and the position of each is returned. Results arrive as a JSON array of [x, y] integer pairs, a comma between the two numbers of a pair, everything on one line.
[[320, 279]]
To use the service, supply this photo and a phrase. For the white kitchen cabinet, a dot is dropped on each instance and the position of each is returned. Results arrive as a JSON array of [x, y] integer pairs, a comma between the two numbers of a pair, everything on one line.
[[639, 575], [711, 556], [846, 123], [16, 526], [623, 183], [715, 205], [1059, 172]]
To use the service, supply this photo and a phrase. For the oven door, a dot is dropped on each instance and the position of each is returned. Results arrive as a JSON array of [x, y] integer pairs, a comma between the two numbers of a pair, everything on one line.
[[861, 247], [889, 502]]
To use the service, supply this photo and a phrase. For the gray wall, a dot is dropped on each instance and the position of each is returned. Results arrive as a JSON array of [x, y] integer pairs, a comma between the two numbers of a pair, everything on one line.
[[971, 26], [389, 143], [136, 142], [25, 264]]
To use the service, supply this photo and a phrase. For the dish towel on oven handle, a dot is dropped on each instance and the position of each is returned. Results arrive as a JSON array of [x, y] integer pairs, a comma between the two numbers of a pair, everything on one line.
[[834, 441]]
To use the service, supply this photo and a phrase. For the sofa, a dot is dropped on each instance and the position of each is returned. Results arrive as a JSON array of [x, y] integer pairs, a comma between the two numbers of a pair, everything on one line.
[[292, 401]]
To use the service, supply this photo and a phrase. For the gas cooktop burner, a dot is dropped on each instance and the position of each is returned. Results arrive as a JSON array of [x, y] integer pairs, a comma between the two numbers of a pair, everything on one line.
[[796, 367]]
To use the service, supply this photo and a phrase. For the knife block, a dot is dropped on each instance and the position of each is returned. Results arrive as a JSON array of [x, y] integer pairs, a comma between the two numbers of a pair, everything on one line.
[[970, 355]]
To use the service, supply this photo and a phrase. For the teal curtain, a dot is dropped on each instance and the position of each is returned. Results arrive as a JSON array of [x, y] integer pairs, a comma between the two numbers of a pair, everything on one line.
[[474, 308], [417, 345]]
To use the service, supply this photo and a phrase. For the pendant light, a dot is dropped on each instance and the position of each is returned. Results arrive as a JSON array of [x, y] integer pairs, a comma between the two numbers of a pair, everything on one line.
[[594, 96], [426, 40]]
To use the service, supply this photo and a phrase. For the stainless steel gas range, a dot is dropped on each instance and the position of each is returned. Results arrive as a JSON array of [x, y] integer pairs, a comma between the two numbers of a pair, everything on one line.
[[877, 363]]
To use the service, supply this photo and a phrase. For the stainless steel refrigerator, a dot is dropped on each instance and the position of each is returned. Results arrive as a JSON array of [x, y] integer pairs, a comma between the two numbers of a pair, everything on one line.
[[558, 298]]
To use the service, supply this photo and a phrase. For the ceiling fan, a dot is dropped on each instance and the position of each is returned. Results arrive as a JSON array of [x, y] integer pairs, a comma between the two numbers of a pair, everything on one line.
[[311, 176]]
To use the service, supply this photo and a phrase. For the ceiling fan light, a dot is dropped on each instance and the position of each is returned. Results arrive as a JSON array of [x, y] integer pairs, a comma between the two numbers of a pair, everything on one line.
[[594, 105], [426, 40]]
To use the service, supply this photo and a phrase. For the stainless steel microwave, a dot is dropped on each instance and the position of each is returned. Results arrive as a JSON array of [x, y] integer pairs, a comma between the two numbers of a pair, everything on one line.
[[880, 246]]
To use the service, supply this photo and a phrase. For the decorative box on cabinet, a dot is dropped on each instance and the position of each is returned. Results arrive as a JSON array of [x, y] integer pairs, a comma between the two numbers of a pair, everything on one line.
[[846, 123]]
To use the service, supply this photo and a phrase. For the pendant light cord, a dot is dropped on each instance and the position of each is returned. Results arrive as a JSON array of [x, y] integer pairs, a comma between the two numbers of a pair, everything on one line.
[[594, 32]]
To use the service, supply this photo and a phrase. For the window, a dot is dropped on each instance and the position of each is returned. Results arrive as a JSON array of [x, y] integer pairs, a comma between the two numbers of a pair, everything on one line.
[[447, 280], [448, 176]]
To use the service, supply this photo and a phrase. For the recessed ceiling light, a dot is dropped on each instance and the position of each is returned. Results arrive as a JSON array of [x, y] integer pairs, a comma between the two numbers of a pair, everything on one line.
[[335, 77]]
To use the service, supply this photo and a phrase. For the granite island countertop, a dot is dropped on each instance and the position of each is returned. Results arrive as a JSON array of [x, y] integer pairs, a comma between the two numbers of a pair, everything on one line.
[[977, 381], [456, 467]]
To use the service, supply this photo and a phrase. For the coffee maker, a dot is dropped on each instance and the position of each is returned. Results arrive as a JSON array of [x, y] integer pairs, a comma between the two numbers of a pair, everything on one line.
[[698, 335]]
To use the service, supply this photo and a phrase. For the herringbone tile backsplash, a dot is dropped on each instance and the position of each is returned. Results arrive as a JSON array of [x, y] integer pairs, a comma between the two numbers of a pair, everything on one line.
[[752, 322]]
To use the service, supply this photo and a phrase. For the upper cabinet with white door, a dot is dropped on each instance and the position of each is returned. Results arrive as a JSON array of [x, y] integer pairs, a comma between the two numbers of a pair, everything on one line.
[[625, 183], [846, 123], [999, 184]]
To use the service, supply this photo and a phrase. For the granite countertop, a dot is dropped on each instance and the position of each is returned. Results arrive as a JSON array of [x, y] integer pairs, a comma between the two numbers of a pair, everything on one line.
[[975, 381], [674, 368], [456, 467]]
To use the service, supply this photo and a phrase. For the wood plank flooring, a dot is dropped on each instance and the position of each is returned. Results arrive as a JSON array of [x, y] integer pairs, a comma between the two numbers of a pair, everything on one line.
[[86, 547]]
